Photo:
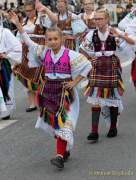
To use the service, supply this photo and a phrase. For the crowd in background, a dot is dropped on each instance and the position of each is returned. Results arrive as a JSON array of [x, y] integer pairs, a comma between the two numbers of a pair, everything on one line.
[[74, 6]]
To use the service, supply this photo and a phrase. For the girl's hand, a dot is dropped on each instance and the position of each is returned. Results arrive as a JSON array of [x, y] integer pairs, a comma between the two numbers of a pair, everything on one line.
[[114, 32], [70, 84], [39, 6], [13, 18]]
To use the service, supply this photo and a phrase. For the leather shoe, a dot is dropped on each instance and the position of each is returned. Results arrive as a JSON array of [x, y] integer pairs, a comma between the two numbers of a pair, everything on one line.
[[30, 109], [6, 118]]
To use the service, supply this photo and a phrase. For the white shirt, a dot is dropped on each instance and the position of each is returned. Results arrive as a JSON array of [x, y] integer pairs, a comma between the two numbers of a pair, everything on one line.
[[10, 45]]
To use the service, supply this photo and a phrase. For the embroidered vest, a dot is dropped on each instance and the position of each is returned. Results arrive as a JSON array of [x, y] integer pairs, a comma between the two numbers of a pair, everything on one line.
[[62, 66], [109, 44]]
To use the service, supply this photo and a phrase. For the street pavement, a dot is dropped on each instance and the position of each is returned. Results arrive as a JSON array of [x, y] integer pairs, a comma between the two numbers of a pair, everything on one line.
[[25, 152]]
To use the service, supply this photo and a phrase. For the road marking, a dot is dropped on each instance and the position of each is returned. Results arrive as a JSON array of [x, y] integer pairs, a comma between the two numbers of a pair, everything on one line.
[[6, 123]]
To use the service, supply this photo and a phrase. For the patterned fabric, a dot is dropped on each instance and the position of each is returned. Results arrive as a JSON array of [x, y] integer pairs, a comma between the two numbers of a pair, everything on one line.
[[133, 71], [5, 77], [109, 44], [54, 102], [104, 72], [30, 77], [66, 133], [69, 42], [52, 94], [99, 93], [62, 66]]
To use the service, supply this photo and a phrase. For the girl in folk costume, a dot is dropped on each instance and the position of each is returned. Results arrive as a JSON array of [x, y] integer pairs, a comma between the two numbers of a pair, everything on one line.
[[88, 15], [36, 31], [65, 19], [88, 19], [105, 86], [10, 49], [57, 96]]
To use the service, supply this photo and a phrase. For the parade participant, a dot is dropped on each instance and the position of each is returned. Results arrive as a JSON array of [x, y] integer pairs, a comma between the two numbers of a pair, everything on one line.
[[36, 31], [47, 17], [57, 97], [131, 30], [105, 86], [5, 22], [128, 25], [88, 18], [65, 18], [88, 15], [120, 12], [123, 24], [133, 71], [10, 49]]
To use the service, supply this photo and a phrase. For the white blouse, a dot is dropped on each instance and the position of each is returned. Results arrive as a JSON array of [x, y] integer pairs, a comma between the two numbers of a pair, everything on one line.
[[10, 45]]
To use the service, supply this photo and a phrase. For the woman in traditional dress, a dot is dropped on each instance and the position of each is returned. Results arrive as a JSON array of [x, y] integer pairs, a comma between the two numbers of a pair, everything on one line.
[[128, 25], [35, 26], [10, 49]]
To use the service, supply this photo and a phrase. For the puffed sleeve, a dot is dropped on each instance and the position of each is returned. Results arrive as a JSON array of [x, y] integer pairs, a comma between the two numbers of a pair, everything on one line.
[[87, 45], [45, 21], [79, 64], [125, 22]]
